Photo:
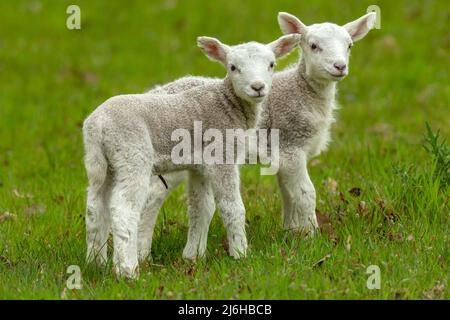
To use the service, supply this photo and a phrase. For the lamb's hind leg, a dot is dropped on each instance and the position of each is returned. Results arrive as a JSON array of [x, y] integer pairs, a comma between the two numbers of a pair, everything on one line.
[[298, 193], [131, 190], [201, 210], [157, 196], [97, 221], [98, 192]]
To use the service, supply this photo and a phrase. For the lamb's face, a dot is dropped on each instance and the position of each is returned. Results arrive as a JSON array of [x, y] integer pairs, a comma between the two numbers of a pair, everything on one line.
[[249, 65], [250, 68], [326, 46], [326, 50]]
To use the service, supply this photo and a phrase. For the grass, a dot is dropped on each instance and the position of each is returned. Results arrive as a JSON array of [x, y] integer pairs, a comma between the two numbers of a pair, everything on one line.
[[384, 198]]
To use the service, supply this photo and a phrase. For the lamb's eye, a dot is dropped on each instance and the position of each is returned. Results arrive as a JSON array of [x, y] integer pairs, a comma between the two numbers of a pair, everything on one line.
[[350, 46], [314, 46], [233, 67], [272, 64]]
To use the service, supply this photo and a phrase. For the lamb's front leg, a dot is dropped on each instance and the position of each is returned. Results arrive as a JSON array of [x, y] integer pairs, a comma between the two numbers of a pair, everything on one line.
[[157, 195], [298, 193], [225, 185], [201, 210]]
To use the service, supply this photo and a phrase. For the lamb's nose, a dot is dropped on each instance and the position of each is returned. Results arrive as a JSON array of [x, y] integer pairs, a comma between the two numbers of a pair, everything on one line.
[[340, 66], [257, 86]]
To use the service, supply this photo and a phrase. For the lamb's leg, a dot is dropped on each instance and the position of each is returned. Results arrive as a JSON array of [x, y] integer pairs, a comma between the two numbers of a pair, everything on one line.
[[298, 193], [225, 185], [128, 198], [97, 213], [158, 194], [201, 210], [97, 221]]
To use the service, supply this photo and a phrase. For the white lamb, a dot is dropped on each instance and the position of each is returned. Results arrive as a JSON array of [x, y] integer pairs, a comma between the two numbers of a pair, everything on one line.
[[300, 105], [128, 139]]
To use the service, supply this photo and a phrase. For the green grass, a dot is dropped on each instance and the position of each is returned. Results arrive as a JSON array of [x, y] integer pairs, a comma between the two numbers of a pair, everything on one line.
[[52, 78]]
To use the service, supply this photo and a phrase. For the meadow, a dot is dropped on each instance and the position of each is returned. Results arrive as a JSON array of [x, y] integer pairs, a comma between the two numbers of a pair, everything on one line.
[[383, 187]]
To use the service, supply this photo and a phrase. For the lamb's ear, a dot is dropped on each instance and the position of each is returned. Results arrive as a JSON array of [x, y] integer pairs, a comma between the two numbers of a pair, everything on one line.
[[291, 24], [285, 44], [213, 48], [360, 27]]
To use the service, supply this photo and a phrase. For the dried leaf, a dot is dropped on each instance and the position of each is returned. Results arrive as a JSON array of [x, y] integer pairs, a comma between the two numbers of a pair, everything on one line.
[[381, 203], [325, 225], [355, 191], [159, 291], [191, 271], [225, 243], [362, 208], [400, 294], [390, 215], [393, 236], [436, 292], [322, 218]]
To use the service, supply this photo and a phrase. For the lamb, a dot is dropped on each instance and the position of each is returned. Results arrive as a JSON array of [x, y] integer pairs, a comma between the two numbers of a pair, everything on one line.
[[128, 139], [301, 105]]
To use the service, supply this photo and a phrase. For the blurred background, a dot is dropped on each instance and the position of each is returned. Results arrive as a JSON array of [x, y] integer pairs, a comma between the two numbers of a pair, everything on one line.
[[52, 77]]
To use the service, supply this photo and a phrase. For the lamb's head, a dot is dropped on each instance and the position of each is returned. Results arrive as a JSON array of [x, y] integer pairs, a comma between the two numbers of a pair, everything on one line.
[[326, 46], [250, 65]]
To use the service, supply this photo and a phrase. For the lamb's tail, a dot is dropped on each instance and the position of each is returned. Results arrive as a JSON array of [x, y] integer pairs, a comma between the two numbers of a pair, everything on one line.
[[94, 159]]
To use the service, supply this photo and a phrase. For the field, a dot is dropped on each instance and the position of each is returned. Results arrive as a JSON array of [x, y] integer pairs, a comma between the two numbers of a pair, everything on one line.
[[383, 187]]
